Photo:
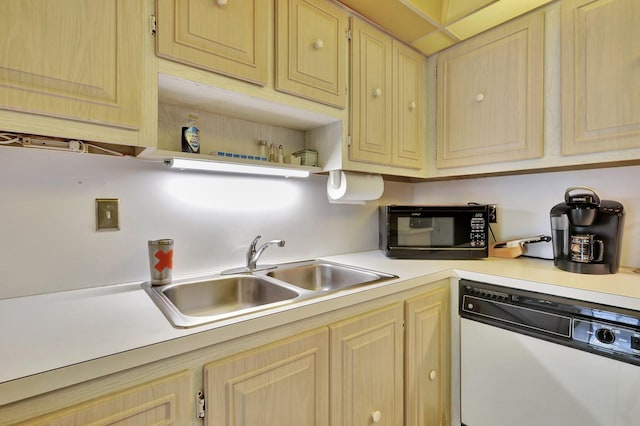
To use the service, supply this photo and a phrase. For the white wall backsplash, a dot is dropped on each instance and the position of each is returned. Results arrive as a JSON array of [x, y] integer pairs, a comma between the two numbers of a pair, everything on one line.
[[48, 219], [524, 201], [48, 216]]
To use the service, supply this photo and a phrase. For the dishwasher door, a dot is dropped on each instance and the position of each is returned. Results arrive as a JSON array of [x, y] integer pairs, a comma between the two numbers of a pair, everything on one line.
[[510, 379]]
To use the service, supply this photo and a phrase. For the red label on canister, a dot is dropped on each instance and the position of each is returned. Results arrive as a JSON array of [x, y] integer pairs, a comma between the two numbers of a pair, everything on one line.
[[165, 260]]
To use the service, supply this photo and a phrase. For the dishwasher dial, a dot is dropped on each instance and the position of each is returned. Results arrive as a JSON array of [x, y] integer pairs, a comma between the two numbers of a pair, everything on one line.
[[605, 335]]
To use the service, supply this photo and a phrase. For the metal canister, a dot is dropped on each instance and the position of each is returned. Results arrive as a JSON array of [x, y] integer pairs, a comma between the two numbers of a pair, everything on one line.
[[161, 261]]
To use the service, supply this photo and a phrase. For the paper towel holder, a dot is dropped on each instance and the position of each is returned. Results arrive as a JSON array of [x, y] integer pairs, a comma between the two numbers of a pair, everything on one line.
[[335, 178], [353, 187]]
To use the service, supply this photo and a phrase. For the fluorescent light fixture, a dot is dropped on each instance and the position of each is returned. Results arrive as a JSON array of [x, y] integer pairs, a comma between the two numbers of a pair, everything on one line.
[[215, 166]]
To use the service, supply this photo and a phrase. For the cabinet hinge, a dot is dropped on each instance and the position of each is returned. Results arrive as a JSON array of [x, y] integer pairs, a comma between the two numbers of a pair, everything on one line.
[[349, 34], [435, 71], [153, 25], [200, 405]]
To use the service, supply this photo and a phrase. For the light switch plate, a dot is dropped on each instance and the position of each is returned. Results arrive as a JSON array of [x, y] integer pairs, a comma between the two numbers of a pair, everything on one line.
[[107, 214]]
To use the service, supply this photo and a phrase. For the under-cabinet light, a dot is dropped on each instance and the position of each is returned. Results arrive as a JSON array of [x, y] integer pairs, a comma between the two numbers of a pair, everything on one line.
[[212, 166]]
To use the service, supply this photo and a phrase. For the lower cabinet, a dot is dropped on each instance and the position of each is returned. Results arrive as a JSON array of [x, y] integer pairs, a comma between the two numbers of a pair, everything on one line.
[[383, 362], [285, 384], [389, 366], [164, 401], [366, 368], [427, 358]]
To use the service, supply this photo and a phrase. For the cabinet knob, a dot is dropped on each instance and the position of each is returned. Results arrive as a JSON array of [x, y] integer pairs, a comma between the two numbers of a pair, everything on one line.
[[480, 97], [222, 2], [433, 375], [319, 44], [377, 92], [412, 105], [376, 416]]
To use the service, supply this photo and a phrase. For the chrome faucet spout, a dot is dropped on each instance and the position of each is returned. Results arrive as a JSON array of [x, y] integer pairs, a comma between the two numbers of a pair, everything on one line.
[[254, 254]]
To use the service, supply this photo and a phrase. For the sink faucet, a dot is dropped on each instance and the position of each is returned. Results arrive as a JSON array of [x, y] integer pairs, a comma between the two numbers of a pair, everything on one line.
[[254, 254]]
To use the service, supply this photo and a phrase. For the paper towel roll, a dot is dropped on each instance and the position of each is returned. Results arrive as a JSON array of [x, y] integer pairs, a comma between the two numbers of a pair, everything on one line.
[[353, 188]]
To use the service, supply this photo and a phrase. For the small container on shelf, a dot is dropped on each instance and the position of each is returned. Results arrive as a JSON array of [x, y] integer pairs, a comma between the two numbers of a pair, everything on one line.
[[191, 135], [262, 150], [308, 157], [272, 153], [280, 154]]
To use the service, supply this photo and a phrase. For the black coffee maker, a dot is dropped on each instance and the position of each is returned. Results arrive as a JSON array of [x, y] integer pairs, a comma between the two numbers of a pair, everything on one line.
[[587, 232]]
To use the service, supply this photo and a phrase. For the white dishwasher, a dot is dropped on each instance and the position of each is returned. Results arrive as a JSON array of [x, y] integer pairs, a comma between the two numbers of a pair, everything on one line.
[[533, 359]]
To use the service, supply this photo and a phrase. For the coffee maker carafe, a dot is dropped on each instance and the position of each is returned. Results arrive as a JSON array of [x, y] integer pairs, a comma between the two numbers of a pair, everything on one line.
[[587, 232]]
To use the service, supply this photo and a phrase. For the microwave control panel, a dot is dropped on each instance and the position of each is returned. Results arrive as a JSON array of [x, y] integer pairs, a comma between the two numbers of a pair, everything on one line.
[[478, 237]]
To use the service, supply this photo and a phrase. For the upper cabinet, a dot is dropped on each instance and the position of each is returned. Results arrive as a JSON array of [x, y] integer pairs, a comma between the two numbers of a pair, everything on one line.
[[311, 45], [408, 107], [386, 124], [75, 69], [490, 96], [371, 94], [227, 37], [433, 25], [600, 75]]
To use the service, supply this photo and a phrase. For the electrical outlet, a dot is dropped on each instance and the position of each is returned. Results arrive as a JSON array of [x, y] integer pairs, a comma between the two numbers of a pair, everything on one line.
[[493, 213], [107, 217]]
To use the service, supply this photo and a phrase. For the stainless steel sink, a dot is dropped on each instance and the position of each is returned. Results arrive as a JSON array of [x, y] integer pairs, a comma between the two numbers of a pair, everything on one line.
[[198, 302], [317, 275], [189, 303]]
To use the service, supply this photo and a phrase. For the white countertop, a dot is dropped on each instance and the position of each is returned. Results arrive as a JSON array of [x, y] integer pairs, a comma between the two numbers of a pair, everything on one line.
[[54, 340]]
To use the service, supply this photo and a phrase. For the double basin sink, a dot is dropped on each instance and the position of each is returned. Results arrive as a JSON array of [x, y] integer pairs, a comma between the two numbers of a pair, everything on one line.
[[189, 303]]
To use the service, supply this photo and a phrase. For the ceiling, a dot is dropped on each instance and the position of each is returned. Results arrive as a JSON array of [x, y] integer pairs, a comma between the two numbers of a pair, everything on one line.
[[433, 25]]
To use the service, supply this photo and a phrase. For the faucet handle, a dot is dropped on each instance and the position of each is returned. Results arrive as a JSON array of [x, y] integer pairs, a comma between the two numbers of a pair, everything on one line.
[[252, 247]]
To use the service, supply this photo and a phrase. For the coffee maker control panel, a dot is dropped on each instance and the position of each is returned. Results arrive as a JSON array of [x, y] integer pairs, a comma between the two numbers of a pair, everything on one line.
[[612, 209]]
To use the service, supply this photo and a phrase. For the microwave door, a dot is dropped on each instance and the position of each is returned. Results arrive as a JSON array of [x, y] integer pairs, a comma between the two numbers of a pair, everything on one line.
[[426, 232], [414, 231]]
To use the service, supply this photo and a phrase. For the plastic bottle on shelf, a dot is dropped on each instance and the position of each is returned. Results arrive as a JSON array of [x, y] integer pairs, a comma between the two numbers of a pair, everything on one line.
[[262, 149], [280, 154], [191, 135], [272, 153]]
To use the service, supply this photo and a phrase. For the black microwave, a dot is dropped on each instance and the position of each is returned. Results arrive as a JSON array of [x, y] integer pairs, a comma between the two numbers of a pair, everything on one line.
[[435, 232]]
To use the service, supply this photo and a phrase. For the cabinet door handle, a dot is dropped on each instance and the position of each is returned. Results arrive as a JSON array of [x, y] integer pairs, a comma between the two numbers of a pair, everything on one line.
[[222, 2], [319, 44], [412, 105], [433, 375], [377, 92], [376, 416], [480, 97]]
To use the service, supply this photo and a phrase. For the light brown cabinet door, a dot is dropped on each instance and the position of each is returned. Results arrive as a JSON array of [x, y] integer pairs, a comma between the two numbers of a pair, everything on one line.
[[600, 75], [75, 59], [408, 107], [311, 45], [284, 384], [371, 94], [490, 96], [366, 369], [387, 100], [227, 37], [427, 359], [165, 401]]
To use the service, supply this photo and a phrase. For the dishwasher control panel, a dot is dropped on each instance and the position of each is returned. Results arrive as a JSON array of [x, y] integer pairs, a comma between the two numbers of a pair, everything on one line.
[[601, 329], [608, 337]]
